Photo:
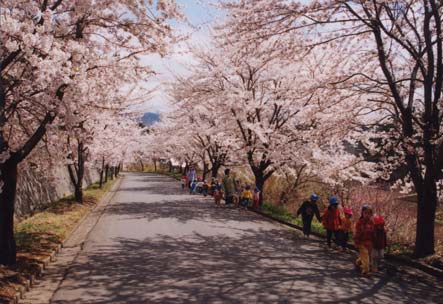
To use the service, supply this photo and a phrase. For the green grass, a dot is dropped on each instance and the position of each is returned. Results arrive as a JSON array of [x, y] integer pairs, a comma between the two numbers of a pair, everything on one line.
[[281, 213], [175, 175]]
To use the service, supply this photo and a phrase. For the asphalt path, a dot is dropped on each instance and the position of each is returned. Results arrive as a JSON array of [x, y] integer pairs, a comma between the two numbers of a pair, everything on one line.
[[155, 243]]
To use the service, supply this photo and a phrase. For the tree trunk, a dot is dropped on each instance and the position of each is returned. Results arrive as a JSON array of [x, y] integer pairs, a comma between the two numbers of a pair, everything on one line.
[[106, 173], [205, 170], [80, 173], [214, 170], [170, 166], [78, 193], [77, 171], [102, 171], [155, 165], [111, 171], [8, 248], [142, 166], [260, 184], [77, 182], [259, 173], [426, 208]]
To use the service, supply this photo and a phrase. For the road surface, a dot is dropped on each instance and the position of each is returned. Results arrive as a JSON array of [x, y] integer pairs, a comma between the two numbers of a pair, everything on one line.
[[155, 243]]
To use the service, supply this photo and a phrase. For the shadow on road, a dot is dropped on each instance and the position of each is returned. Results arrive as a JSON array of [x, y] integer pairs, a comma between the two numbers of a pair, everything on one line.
[[261, 266], [182, 209], [250, 265]]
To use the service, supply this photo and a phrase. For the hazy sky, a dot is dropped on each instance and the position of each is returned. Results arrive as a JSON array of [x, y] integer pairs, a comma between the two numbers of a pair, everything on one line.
[[200, 14]]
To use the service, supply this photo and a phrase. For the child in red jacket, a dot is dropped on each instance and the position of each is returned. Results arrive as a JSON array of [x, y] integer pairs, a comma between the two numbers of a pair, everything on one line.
[[379, 242], [364, 238], [331, 221]]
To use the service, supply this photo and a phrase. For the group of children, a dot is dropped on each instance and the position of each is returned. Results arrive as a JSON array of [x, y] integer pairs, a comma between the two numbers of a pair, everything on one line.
[[369, 234], [243, 195]]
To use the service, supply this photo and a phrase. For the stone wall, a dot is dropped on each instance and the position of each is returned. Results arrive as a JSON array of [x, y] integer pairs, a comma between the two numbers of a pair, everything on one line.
[[35, 192]]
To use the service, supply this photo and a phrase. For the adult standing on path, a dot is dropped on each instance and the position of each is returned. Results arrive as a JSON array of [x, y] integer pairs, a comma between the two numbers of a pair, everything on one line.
[[228, 187], [307, 210], [192, 175]]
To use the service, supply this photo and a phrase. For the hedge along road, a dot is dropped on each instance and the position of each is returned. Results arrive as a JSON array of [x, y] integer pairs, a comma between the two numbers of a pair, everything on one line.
[[157, 244]]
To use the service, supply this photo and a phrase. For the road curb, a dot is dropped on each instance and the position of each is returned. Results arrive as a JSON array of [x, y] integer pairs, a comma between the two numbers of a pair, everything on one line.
[[33, 279], [437, 273]]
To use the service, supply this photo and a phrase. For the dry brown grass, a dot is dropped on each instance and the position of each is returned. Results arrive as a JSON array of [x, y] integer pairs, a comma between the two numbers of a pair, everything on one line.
[[39, 235]]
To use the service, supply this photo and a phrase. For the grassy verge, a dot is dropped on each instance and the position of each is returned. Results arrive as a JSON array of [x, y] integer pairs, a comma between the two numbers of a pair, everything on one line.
[[394, 249], [39, 235], [281, 213], [175, 175]]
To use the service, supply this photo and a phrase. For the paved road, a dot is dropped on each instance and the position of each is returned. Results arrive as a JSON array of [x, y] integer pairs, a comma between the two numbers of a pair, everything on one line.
[[156, 244]]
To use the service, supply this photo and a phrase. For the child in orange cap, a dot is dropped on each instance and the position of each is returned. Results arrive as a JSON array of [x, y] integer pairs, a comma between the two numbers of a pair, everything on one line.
[[364, 238], [379, 242]]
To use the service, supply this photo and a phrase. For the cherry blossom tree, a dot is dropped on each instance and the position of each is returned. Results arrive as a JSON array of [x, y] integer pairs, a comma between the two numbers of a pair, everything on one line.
[[267, 116], [197, 125], [395, 63], [50, 52]]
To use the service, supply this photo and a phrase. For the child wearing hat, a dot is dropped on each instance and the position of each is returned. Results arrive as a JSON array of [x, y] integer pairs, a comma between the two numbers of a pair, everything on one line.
[[364, 238], [379, 242], [246, 196], [331, 221], [307, 210], [346, 227]]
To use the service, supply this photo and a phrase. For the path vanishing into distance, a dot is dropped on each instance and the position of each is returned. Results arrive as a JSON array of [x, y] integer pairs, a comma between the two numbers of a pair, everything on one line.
[[155, 243]]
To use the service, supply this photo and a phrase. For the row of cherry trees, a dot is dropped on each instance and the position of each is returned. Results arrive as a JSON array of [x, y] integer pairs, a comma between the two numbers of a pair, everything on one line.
[[247, 104], [69, 72], [323, 88]]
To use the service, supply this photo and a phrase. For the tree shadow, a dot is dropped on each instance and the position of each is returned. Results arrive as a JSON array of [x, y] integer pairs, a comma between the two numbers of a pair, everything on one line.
[[221, 256], [151, 178], [182, 209], [259, 266]]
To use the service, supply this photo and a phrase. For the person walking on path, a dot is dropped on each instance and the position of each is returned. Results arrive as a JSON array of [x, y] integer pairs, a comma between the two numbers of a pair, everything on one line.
[[228, 187], [256, 198], [345, 228], [192, 176], [379, 242], [246, 196], [331, 221], [364, 238], [307, 210], [217, 193]]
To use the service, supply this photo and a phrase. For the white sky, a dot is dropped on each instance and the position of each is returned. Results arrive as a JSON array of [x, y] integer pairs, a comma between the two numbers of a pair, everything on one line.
[[200, 14]]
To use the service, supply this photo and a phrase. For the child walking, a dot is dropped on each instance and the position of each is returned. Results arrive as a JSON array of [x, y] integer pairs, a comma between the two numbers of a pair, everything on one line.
[[379, 242], [346, 227], [256, 197], [246, 196], [184, 181], [218, 194], [307, 210], [363, 238], [331, 221]]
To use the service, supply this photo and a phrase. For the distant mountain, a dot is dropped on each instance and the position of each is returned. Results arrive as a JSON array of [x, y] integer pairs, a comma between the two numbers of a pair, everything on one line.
[[150, 118]]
